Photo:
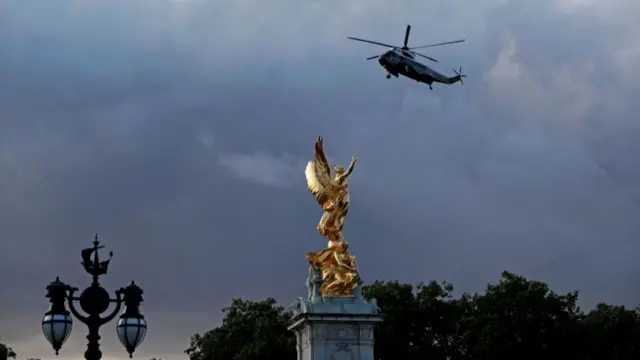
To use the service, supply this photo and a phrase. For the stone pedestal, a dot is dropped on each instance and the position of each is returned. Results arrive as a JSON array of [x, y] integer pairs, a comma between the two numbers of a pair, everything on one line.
[[333, 328]]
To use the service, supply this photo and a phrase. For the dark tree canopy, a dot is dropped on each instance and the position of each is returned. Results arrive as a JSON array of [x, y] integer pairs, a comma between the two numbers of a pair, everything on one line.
[[514, 318], [6, 352], [250, 331], [518, 317], [419, 323]]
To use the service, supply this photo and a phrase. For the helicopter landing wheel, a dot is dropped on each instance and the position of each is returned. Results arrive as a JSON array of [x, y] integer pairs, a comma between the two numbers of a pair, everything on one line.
[[388, 76]]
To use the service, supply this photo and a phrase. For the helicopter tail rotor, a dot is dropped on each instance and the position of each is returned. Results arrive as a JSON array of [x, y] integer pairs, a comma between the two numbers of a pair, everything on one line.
[[460, 75]]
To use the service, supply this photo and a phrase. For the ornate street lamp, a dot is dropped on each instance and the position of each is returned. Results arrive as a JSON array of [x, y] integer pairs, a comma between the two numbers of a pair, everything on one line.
[[94, 301]]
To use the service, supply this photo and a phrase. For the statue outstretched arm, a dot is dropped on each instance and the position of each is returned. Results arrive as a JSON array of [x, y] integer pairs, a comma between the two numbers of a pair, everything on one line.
[[349, 169], [351, 166]]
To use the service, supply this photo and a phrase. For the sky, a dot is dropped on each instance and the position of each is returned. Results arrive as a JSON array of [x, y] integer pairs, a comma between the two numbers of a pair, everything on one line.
[[179, 131]]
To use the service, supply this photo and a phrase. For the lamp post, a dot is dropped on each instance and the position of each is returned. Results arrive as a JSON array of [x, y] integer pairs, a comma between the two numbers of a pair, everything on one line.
[[94, 301]]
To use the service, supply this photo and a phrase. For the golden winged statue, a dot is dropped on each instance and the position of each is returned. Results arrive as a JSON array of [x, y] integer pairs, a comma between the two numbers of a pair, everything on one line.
[[338, 268]]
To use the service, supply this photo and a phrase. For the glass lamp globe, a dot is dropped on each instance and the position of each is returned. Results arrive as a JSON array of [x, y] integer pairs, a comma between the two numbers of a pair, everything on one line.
[[57, 328], [131, 332]]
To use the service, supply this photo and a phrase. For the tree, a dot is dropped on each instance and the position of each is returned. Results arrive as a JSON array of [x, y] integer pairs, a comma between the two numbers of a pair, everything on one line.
[[611, 333], [514, 318], [419, 323], [250, 331], [396, 333], [6, 352], [518, 318]]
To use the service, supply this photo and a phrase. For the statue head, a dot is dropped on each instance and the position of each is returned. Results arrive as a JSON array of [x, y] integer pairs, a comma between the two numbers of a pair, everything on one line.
[[339, 170], [343, 245]]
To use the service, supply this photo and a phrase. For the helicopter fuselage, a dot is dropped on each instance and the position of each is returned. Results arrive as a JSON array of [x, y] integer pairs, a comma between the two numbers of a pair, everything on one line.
[[398, 62]]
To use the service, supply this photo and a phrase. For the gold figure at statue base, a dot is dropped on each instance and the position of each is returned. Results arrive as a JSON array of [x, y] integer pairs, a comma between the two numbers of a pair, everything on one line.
[[338, 268]]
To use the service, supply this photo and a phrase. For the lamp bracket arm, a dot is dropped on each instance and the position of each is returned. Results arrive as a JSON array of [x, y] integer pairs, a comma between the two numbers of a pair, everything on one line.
[[72, 307], [118, 301]]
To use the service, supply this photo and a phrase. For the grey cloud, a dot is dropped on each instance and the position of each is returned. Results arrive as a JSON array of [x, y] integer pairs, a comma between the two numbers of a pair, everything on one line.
[[263, 168], [157, 124]]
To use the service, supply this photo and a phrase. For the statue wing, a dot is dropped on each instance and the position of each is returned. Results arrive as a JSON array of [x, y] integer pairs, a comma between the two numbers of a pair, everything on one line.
[[318, 176]]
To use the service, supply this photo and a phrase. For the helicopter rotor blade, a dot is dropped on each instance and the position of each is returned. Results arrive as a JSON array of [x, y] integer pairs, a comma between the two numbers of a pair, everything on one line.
[[438, 44], [373, 57], [425, 56], [371, 42], [406, 36]]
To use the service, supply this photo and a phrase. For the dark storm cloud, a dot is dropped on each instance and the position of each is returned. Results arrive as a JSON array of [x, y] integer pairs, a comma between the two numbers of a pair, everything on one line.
[[178, 130]]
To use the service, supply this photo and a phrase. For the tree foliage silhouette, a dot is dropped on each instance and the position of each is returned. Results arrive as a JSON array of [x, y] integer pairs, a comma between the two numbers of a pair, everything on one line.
[[513, 318], [6, 352]]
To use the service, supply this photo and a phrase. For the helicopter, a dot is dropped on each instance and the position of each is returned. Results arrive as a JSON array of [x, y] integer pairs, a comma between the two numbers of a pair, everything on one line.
[[400, 60]]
